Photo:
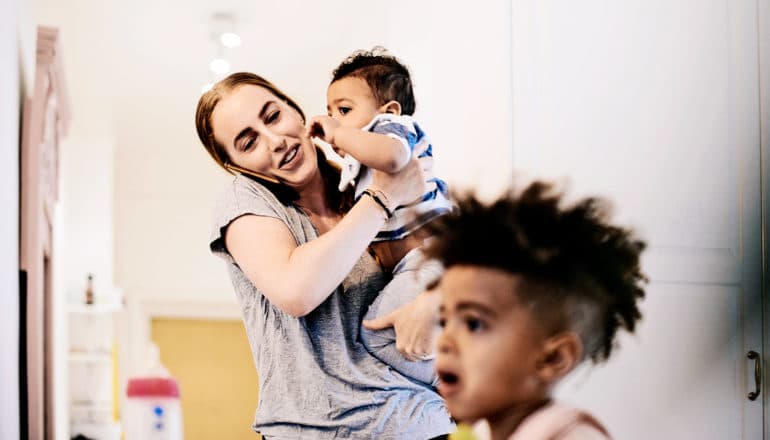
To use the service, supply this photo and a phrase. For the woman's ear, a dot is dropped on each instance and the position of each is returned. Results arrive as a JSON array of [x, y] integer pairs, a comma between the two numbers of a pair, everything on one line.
[[561, 353], [392, 107]]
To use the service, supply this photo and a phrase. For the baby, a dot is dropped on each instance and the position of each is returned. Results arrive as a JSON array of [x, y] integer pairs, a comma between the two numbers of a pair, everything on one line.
[[370, 102], [531, 290]]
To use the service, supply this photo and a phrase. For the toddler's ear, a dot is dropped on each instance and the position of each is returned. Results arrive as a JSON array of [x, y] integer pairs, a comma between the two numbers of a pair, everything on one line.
[[392, 107], [561, 354]]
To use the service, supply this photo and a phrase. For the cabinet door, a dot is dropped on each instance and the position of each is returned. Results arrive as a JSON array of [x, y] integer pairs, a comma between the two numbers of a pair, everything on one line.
[[655, 103]]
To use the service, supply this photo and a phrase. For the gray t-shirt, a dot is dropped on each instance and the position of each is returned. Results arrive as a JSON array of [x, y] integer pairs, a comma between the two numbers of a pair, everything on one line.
[[316, 380]]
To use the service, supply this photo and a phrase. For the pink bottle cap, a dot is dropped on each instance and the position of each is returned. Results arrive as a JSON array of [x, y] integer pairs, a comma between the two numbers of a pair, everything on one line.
[[152, 387]]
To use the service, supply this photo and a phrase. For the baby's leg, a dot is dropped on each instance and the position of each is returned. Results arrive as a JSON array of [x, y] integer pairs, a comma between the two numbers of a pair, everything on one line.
[[410, 277]]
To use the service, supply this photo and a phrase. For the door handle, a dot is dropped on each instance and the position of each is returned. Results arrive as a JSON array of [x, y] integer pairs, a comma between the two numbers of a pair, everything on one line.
[[753, 355]]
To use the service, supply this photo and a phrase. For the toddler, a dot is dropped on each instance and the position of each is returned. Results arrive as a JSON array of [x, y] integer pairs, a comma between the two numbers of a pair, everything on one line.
[[531, 290], [370, 103]]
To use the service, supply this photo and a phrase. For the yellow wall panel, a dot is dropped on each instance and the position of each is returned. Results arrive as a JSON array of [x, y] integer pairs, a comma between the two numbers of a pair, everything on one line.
[[212, 361]]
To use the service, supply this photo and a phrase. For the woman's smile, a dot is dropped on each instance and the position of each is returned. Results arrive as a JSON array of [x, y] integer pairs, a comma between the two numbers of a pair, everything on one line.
[[291, 158]]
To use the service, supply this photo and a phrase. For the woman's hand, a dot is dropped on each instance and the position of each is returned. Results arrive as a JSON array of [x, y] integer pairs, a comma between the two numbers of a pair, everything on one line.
[[402, 187], [414, 324]]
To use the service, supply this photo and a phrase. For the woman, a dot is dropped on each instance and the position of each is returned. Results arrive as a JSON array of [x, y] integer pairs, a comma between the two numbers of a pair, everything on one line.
[[303, 276]]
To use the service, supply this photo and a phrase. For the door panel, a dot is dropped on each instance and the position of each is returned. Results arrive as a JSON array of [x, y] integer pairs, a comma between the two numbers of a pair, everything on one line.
[[655, 104], [672, 378], [212, 361]]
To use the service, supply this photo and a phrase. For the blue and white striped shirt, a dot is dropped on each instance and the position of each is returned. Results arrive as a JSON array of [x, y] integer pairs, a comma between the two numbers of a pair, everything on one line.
[[433, 203]]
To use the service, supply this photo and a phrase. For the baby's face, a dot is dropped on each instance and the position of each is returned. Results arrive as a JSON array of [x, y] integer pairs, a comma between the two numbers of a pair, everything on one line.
[[490, 344], [351, 102]]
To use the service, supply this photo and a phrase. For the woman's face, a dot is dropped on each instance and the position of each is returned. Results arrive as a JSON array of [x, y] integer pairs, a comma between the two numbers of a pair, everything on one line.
[[263, 133]]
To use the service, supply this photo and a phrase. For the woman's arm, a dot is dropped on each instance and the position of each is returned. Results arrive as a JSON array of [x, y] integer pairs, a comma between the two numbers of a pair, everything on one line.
[[296, 279], [375, 150]]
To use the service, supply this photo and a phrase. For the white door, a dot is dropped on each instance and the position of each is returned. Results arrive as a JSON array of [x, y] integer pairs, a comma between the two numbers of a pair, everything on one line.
[[655, 104]]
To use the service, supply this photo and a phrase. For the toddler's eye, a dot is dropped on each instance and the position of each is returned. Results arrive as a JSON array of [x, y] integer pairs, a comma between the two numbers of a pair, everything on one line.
[[344, 110], [442, 322], [474, 325]]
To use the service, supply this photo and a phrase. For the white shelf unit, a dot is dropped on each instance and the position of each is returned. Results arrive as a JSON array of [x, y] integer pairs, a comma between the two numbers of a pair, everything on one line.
[[94, 309], [90, 358], [98, 430], [91, 365]]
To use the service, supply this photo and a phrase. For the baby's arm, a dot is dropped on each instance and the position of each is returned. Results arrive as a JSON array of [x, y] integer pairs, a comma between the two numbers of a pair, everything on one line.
[[375, 150]]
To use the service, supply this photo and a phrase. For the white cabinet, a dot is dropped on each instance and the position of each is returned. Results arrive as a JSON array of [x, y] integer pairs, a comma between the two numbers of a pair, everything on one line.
[[656, 104]]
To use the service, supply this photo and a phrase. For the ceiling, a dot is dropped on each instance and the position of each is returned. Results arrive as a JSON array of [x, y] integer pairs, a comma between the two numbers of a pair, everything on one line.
[[135, 69], [125, 59]]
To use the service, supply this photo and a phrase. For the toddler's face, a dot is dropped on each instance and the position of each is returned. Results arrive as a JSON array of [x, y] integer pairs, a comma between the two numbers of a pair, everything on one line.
[[489, 346], [351, 102]]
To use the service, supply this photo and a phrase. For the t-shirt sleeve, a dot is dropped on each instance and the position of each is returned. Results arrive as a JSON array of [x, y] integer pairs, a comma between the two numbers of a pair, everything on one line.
[[242, 197], [397, 128]]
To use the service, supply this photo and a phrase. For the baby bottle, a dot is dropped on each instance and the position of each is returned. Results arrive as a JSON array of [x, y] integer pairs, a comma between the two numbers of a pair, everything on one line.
[[152, 408]]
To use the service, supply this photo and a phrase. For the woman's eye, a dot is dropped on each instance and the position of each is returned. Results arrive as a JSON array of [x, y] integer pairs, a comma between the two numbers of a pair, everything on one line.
[[474, 325], [249, 142], [442, 322], [272, 117]]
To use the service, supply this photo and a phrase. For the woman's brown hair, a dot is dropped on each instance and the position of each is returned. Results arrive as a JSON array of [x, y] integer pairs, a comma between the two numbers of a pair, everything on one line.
[[208, 102]]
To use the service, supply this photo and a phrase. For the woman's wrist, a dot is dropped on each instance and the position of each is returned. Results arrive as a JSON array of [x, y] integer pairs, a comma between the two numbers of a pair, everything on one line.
[[382, 199], [379, 201]]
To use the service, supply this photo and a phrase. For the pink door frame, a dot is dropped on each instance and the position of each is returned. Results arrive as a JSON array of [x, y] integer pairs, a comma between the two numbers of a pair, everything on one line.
[[46, 118]]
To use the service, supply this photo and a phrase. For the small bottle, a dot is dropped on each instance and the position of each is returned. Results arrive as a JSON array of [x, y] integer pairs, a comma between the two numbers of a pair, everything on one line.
[[90, 290], [153, 410]]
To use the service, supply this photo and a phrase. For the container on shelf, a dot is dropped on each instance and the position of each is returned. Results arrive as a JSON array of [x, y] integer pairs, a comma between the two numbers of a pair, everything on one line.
[[153, 410]]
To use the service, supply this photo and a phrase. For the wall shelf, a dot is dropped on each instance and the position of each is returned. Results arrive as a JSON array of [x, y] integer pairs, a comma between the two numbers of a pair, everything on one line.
[[94, 309]]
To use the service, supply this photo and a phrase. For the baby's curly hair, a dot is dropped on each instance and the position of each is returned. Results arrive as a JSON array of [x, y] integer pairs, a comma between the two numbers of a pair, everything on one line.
[[388, 79], [578, 271]]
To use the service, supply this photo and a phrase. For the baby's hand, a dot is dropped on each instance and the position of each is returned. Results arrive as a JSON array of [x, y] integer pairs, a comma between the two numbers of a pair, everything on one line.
[[323, 127]]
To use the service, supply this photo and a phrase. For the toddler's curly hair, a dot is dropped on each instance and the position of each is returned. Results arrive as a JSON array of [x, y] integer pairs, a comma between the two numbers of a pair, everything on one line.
[[387, 78], [577, 271]]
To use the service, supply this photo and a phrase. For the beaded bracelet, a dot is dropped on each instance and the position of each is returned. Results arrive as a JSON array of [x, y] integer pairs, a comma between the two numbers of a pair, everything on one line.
[[378, 197]]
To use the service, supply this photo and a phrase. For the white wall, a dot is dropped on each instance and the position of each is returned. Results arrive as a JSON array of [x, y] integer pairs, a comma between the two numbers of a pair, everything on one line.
[[87, 152], [461, 60], [9, 222]]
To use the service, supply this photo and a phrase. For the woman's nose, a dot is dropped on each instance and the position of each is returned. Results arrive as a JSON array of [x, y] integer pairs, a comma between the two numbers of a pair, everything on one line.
[[275, 141]]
